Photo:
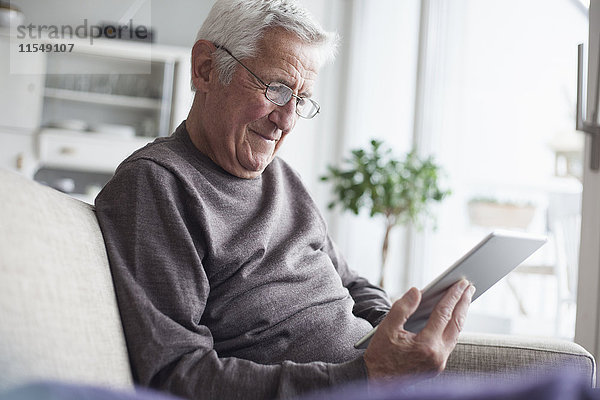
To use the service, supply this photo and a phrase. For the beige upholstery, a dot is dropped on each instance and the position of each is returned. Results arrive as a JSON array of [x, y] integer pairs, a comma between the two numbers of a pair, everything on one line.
[[508, 358], [59, 317], [58, 312]]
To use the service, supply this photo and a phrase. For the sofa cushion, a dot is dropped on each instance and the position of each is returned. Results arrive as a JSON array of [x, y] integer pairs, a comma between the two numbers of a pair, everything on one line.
[[58, 310], [501, 357]]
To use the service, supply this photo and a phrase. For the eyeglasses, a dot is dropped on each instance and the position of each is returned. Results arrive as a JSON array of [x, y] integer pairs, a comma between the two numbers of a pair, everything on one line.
[[280, 94]]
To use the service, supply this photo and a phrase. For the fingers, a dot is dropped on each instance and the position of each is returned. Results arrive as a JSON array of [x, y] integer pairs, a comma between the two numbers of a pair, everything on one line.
[[404, 308], [443, 314], [459, 315], [394, 351]]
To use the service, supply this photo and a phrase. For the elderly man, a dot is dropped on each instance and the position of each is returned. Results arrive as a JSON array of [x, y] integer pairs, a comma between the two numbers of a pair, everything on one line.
[[228, 283]]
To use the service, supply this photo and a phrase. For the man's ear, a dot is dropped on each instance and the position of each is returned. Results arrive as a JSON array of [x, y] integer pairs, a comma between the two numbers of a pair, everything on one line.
[[203, 64]]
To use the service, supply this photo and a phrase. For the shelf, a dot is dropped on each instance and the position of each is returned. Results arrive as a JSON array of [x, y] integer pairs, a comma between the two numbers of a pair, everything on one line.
[[102, 98], [85, 151]]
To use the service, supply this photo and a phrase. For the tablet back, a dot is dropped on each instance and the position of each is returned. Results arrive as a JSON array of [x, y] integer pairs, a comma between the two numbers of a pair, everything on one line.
[[485, 264]]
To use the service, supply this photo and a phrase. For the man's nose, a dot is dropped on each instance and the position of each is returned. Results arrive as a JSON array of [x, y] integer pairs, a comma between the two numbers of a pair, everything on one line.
[[285, 116]]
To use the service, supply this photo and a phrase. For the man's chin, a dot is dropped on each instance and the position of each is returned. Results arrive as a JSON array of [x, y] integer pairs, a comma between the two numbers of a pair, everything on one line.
[[253, 167]]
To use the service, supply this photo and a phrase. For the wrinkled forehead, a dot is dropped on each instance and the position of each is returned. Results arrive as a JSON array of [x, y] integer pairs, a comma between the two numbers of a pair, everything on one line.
[[284, 51]]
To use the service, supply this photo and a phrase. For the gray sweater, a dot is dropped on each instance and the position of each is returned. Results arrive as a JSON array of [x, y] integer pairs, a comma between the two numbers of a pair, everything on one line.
[[229, 288]]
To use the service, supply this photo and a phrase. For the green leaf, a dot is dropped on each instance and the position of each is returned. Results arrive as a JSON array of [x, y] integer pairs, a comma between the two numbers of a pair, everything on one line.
[[401, 189]]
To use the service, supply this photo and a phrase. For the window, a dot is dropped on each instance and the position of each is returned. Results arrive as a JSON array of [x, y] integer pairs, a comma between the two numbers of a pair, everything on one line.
[[495, 103]]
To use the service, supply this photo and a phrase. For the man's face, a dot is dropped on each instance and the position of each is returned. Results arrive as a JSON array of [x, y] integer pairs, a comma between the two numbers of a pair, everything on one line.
[[242, 129]]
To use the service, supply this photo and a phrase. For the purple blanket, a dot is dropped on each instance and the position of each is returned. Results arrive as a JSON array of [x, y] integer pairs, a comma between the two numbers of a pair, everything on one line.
[[557, 386]]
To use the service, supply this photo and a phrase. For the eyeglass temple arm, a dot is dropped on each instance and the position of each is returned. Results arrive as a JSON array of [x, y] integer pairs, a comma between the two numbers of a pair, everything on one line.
[[218, 46]]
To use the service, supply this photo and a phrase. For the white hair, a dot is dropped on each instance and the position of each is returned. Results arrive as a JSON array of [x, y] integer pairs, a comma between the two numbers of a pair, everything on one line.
[[238, 25]]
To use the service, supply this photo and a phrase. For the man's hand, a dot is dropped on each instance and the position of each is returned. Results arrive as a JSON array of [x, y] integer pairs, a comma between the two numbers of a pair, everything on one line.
[[394, 351]]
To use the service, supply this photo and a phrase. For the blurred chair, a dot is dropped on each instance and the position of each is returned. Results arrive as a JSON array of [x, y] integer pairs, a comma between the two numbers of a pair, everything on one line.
[[564, 226], [563, 220]]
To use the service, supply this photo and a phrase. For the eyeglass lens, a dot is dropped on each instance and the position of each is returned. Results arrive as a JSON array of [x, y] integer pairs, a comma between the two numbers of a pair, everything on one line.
[[280, 94]]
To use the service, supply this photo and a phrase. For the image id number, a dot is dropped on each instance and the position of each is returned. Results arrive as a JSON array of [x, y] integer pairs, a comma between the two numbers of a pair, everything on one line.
[[46, 47]]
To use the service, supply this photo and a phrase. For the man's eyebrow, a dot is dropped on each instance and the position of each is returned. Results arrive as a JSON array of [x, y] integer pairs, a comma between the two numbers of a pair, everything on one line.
[[285, 82], [290, 85]]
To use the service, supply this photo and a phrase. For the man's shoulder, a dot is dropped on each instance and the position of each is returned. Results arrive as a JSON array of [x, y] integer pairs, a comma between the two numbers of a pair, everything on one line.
[[159, 150], [148, 163], [170, 153], [158, 167]]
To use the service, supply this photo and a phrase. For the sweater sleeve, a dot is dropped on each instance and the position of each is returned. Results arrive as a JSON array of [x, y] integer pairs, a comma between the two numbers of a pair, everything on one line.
[[370, 301], [162, 289]]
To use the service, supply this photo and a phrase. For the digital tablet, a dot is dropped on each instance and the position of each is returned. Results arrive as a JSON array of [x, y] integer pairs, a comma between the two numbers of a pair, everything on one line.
[[485, 264]]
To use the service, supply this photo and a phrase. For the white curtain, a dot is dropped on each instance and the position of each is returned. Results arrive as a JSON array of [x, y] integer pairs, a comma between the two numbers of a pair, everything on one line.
[[378, 103]]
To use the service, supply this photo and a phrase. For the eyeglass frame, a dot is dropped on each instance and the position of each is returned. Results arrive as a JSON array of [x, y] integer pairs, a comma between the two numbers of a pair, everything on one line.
[[298, 98]]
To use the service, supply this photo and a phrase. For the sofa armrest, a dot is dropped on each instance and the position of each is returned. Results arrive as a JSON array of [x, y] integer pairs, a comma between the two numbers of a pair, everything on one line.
[[509, 358]]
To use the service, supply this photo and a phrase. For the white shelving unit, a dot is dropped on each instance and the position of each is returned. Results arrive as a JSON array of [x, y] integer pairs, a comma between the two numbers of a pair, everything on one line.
[[108, 98], [112, 100]]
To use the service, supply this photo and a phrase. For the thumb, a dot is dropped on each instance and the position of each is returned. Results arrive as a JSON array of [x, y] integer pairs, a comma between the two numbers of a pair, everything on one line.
[[404, 307]]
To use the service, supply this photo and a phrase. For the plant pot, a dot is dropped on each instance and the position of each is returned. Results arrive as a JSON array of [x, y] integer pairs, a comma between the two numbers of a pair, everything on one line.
[[490, 215]]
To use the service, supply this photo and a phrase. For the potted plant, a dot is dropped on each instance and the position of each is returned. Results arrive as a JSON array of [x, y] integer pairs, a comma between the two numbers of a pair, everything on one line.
[[401, 190], [491, 212]]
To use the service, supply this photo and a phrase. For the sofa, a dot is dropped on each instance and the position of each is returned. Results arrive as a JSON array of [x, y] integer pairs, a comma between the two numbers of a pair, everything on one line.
[[60, 322]]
